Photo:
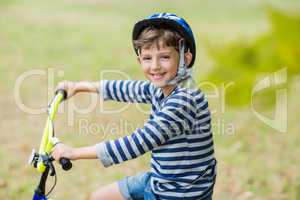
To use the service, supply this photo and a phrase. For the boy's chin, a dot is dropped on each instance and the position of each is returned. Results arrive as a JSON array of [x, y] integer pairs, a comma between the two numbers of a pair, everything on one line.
[[159, 83]]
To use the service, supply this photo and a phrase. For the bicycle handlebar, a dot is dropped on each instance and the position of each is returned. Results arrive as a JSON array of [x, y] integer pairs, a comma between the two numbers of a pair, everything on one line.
[[46, 145], [65, 163], [63, 92], [42, 160]]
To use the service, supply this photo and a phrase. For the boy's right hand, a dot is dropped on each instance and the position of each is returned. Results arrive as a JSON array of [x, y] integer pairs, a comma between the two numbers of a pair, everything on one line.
[[68, 86]]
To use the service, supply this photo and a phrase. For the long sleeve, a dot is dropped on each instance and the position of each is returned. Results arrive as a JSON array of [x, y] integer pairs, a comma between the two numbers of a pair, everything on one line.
[[126, 91], [174, 119]]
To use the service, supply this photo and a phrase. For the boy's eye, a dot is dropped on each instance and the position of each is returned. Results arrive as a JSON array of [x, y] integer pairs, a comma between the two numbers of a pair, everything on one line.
[[166, 57], [146, 58]]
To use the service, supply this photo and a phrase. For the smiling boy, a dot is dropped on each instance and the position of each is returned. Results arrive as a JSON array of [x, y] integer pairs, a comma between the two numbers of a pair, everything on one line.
[[178, 131]]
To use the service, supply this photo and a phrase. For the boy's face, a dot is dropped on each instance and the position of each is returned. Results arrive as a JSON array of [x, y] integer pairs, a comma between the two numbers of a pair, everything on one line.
[[159, 64]]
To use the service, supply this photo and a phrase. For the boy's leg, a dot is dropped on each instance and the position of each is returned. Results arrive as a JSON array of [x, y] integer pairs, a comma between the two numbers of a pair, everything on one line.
[[129, 188], [110, 191], [133, 187]]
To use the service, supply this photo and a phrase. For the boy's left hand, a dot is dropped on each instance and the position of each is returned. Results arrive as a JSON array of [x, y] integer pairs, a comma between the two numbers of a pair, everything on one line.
[[63, 151]]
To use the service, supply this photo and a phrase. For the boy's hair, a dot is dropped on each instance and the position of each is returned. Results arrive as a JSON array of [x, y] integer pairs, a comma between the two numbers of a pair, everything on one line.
[[151, 35]]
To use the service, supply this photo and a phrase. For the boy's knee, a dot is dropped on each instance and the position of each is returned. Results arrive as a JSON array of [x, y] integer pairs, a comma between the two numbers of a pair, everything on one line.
[[107, 192]]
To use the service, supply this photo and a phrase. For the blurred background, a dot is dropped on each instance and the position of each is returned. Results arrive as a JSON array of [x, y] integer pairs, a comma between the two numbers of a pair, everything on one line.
[[246, 50]]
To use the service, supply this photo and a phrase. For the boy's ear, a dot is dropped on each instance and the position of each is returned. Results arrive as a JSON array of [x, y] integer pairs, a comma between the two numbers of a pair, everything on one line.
[[188, 58]]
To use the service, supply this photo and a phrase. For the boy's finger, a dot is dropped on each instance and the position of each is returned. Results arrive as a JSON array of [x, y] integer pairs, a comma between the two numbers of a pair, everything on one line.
[[61, 85]]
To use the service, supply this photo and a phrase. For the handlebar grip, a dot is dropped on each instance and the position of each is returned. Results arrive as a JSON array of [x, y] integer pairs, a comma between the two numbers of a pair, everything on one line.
[[66, 164], [64, 93]]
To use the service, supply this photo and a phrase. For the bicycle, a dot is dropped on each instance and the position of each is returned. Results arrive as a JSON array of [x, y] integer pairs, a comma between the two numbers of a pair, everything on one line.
[[43, 161]]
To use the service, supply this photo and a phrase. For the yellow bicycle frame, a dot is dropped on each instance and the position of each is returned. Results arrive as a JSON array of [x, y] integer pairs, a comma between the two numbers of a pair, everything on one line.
[[47, 139]]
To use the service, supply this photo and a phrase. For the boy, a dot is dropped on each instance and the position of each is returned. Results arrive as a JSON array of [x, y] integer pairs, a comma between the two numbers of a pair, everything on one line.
[[178, 131]]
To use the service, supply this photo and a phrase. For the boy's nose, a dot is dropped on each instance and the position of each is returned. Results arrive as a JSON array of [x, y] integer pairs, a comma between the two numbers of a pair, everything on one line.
[[155, 64]]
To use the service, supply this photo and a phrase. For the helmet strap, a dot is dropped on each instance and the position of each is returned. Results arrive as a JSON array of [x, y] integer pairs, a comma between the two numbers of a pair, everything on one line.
[[183, 72]]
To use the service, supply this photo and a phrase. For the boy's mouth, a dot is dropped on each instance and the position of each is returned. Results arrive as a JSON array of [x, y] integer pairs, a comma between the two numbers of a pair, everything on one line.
[[157, 76]]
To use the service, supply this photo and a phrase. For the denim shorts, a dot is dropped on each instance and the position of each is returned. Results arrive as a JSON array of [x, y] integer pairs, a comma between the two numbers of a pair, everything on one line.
[[137, 187]]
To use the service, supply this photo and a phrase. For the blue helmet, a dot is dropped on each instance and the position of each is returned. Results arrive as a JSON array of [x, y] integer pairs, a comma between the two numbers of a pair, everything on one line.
[[168, 21]]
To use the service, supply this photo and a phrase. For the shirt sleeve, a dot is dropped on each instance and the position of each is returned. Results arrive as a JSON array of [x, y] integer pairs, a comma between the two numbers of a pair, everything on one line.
[[174, 119], [126, 91]]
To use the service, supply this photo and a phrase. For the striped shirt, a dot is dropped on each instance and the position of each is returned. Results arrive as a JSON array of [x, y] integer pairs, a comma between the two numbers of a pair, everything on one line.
[[178, 132]]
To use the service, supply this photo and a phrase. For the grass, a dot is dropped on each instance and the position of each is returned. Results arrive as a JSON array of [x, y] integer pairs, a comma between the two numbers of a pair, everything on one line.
[[81, 38]]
